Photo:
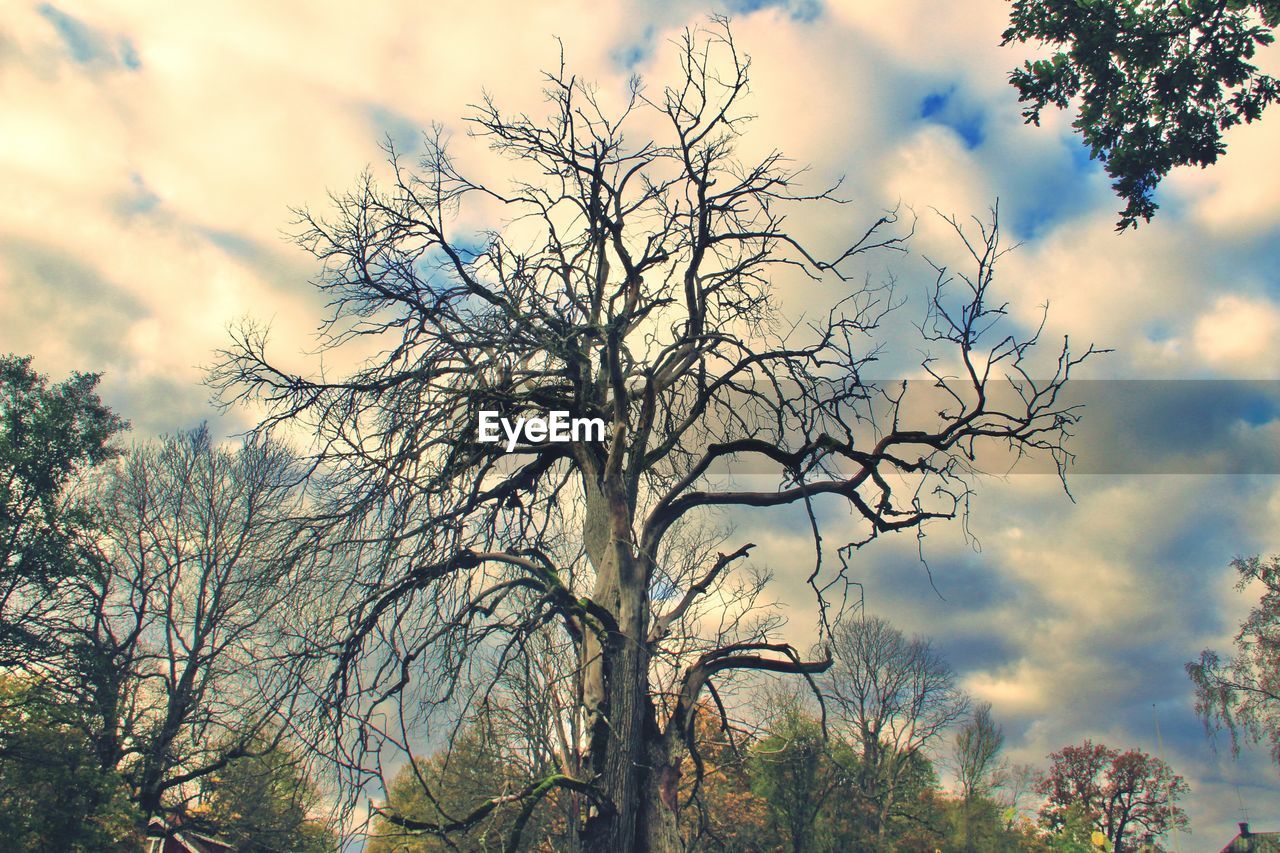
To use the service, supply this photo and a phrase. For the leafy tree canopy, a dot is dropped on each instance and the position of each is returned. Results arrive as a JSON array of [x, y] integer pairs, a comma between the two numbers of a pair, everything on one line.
[[53, 795], [1155, 82], [263, 803], [801, 775], [1242, 693], [48, 434]]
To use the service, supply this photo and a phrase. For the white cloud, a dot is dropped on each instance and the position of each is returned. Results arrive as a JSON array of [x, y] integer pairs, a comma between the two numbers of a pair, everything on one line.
[[1240, 336]]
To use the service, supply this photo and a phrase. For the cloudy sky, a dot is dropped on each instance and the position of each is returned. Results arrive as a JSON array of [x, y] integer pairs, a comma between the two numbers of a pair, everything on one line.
[[150, 155]]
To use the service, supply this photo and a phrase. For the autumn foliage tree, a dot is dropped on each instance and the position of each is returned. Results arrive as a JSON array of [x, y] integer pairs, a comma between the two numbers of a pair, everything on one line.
[[1123, 794], [722, 810]]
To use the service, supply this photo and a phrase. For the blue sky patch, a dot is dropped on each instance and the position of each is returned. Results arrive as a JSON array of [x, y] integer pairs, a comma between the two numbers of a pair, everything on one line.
[[978, 652], [1259, 409], [1067, 184], [129, 55], [631, 54], [472, 245], [664, 590], [405, 134], [1158, 331], [933, 103], [942, 107], [803, 11], [86, 45], [142, 199], [82, 43], [1081, 154], [232, 243]]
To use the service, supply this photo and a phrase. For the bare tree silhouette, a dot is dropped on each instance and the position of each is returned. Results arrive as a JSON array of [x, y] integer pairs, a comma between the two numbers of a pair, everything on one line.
[[633, 280]]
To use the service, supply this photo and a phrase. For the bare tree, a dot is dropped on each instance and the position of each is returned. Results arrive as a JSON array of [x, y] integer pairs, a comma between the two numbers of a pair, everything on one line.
[[977, 745], [173, 633], [532, 708], [895, 698], [1014, 783], [629, 276]]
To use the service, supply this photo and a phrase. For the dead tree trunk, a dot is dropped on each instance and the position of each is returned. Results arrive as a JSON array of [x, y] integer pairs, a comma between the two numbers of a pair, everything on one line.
[[624, 736]]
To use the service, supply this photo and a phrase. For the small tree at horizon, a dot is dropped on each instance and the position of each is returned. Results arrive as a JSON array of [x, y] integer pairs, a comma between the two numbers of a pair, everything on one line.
[[1120, 793], [975, 752], [895, 698]]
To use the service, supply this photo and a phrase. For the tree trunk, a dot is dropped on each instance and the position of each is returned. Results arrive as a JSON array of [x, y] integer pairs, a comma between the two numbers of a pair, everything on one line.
[[626, 752], [636, 770], [660, 794]]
